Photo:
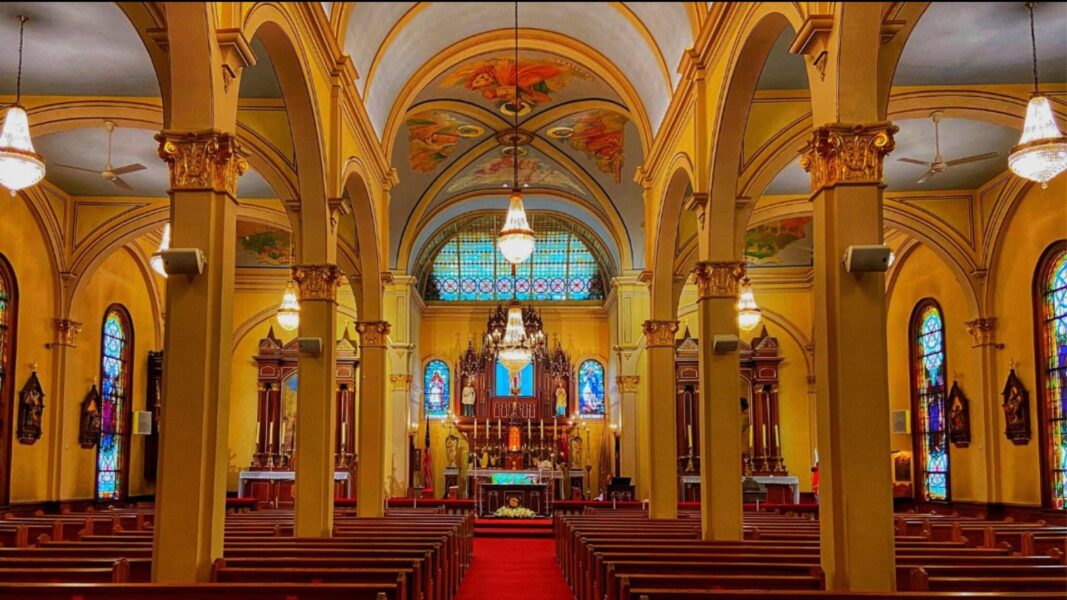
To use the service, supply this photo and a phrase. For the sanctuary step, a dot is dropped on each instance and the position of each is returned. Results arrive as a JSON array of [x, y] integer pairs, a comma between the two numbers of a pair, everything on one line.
[[530, 528]]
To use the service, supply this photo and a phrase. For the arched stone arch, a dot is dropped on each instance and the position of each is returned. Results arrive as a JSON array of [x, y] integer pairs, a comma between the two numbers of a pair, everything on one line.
[[664, 296], [368, 288], [280, 37]]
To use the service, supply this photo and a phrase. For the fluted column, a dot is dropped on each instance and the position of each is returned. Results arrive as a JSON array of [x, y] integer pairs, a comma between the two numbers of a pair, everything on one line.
[[370, 493], [194, 438], [316, 402], [720, 410], [855, 482], [662, 423]]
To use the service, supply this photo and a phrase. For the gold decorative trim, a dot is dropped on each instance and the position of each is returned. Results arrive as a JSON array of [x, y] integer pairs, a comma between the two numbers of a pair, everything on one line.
[[66, 333], [718, 279], [981, 331], [401, 383], [660, 333], [627, 383], [372, 333], [840, 153], [202, 160], [317, 282], [697, 203]]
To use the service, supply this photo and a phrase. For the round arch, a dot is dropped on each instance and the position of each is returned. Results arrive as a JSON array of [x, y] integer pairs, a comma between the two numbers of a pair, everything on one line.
[[664, 298], [367, 288]]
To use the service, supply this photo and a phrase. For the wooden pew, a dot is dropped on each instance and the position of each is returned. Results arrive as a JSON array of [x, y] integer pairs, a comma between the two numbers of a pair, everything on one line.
[[209, 591]]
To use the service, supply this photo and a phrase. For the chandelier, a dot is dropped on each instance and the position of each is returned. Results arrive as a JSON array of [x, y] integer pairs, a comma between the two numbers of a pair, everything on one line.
[[20, 165], [515, 336], [1041, 153], [157, 257], [516, 240], [748, 313], [288, 313]]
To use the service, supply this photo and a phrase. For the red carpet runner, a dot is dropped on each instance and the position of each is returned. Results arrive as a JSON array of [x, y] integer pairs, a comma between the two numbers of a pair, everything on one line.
[[514, 569]]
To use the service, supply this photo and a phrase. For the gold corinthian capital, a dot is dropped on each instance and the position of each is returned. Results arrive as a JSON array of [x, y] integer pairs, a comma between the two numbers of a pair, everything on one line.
[[718, 279], [840, 153], [660, 333], [317, 282], [202, 160]]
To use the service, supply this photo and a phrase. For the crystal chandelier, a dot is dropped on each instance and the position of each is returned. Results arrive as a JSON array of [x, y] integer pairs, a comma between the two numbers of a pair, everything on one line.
[[157, 257], [516, 240], [288, 313], [1041, 153], [748, 313], [20, 165], [515, 336]]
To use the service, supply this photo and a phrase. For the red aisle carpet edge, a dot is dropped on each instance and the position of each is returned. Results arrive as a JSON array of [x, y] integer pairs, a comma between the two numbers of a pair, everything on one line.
[[514, 569]]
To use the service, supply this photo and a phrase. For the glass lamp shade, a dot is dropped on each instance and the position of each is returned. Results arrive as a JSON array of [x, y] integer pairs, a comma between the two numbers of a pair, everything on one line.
[[288, 314], [514, 353], [748, 314], [20, 165], [514, 359], [1042, 150], [516, 240], [157, 259]]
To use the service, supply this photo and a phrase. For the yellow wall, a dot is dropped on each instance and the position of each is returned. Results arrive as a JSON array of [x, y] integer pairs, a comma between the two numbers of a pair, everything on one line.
[[1039, 220]]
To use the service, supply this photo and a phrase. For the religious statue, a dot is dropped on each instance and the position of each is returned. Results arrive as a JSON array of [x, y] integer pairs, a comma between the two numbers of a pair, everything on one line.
[[451, 450], [31, 407], [516, 384], [467, 399], [746, 427], [437, 403], [561, 400], [575, 450], [89, 427]]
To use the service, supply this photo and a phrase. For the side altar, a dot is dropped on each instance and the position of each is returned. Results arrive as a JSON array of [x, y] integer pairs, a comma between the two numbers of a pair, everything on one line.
[[271, 475]]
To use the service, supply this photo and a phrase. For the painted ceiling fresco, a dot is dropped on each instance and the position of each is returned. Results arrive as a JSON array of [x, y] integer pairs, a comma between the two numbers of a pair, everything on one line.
[[578, 140], [262, 246], [784, 243]]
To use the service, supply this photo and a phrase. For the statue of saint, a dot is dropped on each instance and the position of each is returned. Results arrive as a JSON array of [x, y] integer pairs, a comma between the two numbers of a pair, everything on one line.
[[746, 426], [561, 400], [451, 450], [467, 399], [575, 451]]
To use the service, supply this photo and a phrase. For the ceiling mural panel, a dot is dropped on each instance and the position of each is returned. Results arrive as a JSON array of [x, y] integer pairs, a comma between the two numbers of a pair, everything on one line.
[[262, 246], [784, 243], [599, 134], [433, 136], [495, 170]]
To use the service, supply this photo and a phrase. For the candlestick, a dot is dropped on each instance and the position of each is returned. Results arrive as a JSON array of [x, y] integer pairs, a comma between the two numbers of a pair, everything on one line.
[[777, 440], [270, 437], [487, 429], [529, 430], [259, 430], [499, 428], [281, 442], [690, 435], [542, 430], [476, 430], [343, 431], [764, 429]]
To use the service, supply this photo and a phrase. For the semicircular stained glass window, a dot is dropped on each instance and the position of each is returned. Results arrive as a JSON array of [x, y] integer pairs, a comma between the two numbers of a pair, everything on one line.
[[469, 268], [929, 393]]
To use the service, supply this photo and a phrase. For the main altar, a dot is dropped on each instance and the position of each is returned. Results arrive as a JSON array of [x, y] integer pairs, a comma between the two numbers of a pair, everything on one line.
[[513, 438]]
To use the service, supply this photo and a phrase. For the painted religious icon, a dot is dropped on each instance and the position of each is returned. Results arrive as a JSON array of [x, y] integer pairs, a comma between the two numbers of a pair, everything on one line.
[[31, 408], [433, 136], [496, 79], [591, 389], [599, 134], [959, 419], [1016, 410], [495, 171], [784, 243]]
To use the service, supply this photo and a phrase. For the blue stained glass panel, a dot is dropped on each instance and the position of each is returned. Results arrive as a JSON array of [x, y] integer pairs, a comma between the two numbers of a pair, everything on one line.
[[1053, 346], [930, 394], [523, 382], [436, 389], [591, 389], [114, 380]]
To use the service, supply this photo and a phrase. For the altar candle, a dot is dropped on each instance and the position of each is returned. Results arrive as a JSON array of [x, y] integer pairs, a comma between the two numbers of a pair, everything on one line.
[[343, 430], [764, 437], [487, 429], [777, 440], [270, 437], [689, 433], [499, 429], [542, 429], [475, 430], [529, 430], [282, 440], [259, 430]]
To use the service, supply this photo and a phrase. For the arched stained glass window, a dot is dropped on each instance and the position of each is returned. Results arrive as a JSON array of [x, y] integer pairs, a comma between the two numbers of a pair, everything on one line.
[[467, 266], [928, 400], [112, 453], [8, 314], [1050, 291], [436, 388], [591, 389]]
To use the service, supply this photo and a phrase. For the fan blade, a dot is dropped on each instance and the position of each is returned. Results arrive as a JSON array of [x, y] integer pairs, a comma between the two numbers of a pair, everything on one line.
[[120, 182], [131, 168], [969, 159], [928, 175], [73, 168], [912, 161]]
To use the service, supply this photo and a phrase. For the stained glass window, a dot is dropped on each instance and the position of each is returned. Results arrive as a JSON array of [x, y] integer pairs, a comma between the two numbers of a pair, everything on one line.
[[519, 384], [435, 389], [591, 389], [115, 380], [8, 306], [928, 394], [1052, 344], [468, 267]]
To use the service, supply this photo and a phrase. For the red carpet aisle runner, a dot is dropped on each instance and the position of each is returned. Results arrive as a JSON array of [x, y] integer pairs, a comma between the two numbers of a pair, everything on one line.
[[514, 569]]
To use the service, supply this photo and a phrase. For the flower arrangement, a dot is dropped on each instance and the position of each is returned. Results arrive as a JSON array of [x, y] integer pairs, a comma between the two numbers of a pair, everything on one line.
[[507, 512]]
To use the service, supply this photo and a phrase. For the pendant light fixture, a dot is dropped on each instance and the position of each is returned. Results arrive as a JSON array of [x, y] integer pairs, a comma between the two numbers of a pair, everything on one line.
[[20, 165], [748, 313], [516, 240], [157, 258], [288, 314], [1041, 153]]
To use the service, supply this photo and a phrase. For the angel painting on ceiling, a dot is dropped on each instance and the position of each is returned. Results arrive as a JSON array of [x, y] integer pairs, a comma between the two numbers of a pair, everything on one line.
[[495, 78], [497, 171], [432, 137], [599, 134]]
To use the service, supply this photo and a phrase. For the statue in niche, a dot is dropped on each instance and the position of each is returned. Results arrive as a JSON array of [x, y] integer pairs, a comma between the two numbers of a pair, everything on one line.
[[467, 398], [31, 407], [561, 400], [516, 384], [89, 433]]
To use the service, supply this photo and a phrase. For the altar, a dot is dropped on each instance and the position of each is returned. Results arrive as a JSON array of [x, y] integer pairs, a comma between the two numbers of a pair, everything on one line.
[[274, 489]]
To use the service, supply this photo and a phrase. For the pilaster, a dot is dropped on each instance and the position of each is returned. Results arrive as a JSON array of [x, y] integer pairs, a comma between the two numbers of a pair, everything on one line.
[[662, 423], [983, 337], [373, 341]]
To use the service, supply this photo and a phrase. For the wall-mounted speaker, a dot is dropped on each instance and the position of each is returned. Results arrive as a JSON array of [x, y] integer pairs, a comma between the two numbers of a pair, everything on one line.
[[901, 421], [142, 422]]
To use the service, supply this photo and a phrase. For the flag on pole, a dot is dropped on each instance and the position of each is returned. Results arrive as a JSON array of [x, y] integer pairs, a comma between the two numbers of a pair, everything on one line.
[[427, 471]]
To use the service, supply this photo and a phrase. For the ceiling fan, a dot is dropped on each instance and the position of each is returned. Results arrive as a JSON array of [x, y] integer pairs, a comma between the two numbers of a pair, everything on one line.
[[940, 165], [109, 173]]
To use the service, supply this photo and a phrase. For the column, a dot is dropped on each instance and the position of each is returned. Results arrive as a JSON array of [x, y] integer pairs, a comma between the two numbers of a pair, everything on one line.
[[194, 448], [370, 493], [316, 401], [398, 420], [627, 385], [662, 424], [67, 332], [987, 437], [720, 410], [855, 503]]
